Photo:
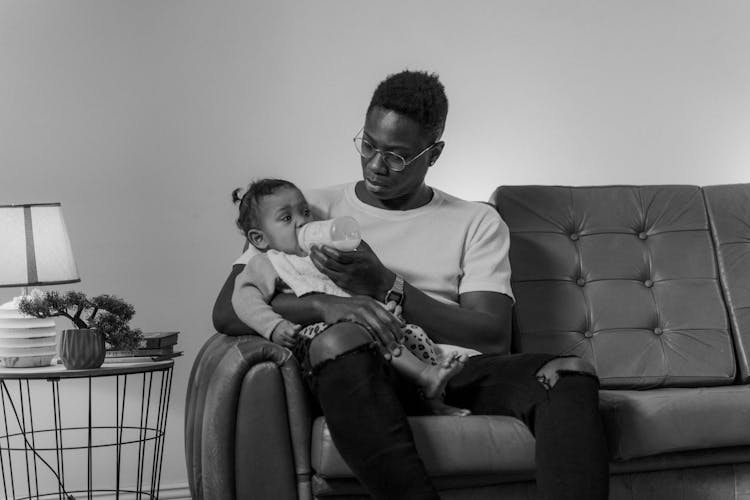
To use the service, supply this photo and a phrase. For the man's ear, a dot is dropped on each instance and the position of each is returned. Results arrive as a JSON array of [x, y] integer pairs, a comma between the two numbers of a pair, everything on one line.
[[257, 238], [435, 152]]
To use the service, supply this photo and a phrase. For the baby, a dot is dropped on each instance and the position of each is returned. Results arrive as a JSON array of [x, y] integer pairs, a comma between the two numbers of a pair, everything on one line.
[[271, 212]]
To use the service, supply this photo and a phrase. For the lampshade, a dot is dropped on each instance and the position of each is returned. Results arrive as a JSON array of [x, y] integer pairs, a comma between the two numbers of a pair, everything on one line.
[[34, 246], [34, 250]]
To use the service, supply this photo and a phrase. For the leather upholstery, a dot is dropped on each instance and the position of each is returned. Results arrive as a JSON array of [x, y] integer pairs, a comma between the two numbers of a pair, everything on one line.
[[638, 423], [717, 482], [605, 273], [245, 394], [645, 423], [729, 213], [475, 445]]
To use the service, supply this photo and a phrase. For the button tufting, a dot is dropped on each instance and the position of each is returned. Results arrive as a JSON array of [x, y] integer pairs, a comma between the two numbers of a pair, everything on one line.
[[588, 335], [658, 331], [648, 283], [574, 237], [642, 235], [580, 282]]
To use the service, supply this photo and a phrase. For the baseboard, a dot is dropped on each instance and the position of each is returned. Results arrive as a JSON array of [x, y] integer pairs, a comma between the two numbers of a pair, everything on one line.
[[179, 491]]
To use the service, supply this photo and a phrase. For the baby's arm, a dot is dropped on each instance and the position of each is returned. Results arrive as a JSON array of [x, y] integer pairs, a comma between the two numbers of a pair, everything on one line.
[[253, 289]]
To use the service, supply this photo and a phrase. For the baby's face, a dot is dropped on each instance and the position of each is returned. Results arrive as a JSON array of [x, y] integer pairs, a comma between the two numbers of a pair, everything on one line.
[[281, 215]]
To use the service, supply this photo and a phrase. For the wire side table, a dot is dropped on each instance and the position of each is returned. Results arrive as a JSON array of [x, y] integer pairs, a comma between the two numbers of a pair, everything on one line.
[[108, 440]]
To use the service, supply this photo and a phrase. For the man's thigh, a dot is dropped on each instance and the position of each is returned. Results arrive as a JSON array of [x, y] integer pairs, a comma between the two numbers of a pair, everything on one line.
[[495, 384]]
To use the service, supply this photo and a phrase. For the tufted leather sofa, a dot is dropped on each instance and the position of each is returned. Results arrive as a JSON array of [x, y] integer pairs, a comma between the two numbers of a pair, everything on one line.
[[649, 283]]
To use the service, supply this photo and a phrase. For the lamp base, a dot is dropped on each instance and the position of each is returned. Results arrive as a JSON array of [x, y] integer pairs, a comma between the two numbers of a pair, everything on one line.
[[25, 341]]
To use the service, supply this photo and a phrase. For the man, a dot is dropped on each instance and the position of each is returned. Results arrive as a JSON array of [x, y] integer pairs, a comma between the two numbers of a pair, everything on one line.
[[446, 261]]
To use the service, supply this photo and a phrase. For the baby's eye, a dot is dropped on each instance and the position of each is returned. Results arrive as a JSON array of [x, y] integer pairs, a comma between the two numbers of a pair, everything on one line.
[[286, 218]]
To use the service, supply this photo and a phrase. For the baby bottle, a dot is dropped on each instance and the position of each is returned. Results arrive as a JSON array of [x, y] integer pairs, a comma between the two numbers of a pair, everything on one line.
[[341, 233]]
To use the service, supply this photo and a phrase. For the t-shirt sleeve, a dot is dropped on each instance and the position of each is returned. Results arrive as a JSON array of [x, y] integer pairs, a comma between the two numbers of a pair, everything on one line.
[[253, 289], [486, 265]]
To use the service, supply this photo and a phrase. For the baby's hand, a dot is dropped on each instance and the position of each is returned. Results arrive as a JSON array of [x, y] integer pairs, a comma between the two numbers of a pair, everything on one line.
[[395, 309], [285, 333]]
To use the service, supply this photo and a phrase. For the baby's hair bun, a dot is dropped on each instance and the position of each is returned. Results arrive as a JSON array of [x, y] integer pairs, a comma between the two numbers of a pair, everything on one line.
[[236, 198]]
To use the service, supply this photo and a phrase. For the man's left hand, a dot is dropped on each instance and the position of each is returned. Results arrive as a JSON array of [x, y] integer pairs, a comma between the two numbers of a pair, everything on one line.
[[359, 272]]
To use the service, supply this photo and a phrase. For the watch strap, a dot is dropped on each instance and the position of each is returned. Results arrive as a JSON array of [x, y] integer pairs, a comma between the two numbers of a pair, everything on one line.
[[396, 292]]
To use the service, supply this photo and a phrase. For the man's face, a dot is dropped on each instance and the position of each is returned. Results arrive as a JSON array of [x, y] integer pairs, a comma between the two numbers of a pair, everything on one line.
[[280, 215], [388, 130]]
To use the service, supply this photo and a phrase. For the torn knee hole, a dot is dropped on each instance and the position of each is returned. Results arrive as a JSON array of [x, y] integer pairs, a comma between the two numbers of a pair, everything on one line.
[[550, 372]]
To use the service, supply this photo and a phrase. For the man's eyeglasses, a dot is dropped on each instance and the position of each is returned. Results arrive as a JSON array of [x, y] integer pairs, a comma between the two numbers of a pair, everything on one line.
[[394, 161]]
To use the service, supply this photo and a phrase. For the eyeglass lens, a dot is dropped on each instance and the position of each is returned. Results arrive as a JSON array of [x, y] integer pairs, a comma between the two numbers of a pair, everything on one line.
[[367, 151]]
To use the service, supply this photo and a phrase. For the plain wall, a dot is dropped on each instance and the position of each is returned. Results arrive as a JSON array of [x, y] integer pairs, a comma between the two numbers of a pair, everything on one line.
[[140, 117]]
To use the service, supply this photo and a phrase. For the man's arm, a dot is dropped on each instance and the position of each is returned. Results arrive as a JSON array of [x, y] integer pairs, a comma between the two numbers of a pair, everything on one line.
[[224, 318], [383, 326], [306, 310], [481, 321]]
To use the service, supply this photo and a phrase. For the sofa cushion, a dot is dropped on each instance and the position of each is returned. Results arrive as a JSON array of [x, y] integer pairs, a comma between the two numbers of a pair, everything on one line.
[[638, 424], [474, 445], [645, 423], [623, 276]]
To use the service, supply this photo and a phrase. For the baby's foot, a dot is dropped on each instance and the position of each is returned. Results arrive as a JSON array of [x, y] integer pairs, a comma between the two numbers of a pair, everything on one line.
[[438, 407], [434, 380]]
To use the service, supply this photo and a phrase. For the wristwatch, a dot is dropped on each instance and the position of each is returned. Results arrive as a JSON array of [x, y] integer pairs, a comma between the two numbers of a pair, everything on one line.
[[396, 293]]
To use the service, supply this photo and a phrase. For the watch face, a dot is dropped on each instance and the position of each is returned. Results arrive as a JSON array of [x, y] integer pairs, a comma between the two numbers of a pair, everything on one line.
[[396, 293], [394, 297]]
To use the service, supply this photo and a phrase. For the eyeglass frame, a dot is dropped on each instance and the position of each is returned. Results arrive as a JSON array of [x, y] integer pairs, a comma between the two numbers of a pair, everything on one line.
[[383, 152]]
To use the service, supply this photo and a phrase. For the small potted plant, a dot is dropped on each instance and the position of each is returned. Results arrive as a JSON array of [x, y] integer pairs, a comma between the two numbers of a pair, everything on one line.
[[100, 321]]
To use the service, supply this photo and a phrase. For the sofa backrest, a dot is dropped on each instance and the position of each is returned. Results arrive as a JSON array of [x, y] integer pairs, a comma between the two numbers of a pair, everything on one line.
[[729, 215], [623, 276]]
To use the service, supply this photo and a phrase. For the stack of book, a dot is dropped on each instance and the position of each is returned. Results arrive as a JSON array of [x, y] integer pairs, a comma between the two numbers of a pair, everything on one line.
[[155, 346]]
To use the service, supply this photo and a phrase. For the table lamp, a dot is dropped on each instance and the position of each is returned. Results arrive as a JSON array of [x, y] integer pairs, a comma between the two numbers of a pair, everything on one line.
[[34, 250]]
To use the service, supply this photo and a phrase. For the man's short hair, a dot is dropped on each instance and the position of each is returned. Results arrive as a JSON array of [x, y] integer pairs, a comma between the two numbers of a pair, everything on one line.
[[416, 94]]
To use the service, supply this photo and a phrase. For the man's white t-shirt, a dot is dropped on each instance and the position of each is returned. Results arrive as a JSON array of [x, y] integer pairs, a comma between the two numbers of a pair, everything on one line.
[[445, 248]]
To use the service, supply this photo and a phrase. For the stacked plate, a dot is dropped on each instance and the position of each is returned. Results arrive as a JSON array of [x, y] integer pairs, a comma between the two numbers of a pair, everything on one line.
[[25, 341]]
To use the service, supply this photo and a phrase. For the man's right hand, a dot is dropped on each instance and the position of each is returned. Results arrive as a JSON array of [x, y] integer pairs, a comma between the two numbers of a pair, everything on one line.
[[381, 324]]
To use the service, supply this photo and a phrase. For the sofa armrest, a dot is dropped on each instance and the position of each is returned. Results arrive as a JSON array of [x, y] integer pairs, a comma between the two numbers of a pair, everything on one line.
[[247, 422]]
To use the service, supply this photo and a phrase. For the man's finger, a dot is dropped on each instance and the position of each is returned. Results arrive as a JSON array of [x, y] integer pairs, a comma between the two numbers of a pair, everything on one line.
[[326, 265], [330, 262], [385, 327], [369, 319], [376, 341], [340, 256], [363, 246], [392, 321], [387, 349]]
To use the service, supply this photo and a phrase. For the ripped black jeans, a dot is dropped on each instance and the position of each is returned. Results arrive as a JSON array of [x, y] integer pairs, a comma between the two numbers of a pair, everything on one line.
[[366, 403]]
